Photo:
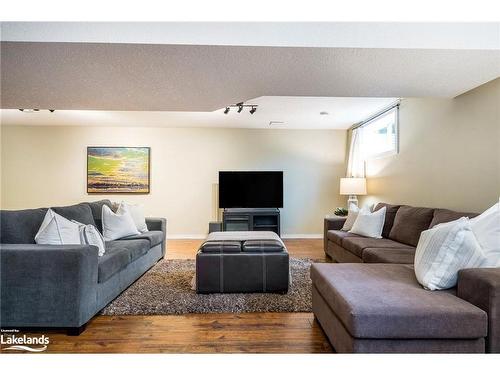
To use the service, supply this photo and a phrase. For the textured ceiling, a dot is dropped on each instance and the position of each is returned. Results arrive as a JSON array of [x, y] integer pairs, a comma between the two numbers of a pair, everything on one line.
[[150, 77]]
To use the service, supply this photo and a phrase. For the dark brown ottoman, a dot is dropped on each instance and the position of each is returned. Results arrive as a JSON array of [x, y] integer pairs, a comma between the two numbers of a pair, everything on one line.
[[242, 262], [368, 308]]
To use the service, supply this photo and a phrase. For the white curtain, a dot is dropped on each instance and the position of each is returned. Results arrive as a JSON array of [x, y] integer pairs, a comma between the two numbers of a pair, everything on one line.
[[356, 161]]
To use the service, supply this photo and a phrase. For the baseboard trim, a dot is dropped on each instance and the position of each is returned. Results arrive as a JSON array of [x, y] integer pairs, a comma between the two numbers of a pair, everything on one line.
[[186, 236], [203, 236], [304, 236]]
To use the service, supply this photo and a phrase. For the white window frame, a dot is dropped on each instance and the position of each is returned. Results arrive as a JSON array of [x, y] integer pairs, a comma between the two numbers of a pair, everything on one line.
[[372, 119]]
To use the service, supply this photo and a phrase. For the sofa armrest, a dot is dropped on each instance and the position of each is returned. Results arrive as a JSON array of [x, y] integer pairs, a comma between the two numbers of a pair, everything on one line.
[[332, 223], [481, 287], [47, 285], [159, 223]]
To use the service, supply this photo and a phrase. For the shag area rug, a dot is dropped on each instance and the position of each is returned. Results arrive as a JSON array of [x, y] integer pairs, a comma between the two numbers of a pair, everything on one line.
[[166, 290]]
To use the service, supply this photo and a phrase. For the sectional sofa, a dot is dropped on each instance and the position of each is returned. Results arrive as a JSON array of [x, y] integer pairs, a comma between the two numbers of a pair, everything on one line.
[[370, 300], [402, 228], [64, 286]]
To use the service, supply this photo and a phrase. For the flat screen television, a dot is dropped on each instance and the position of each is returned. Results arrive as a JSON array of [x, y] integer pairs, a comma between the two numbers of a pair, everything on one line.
[[251, 189]]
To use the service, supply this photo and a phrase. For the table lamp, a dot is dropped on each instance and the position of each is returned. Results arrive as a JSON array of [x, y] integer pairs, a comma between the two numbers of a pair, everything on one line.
[[352, 186]]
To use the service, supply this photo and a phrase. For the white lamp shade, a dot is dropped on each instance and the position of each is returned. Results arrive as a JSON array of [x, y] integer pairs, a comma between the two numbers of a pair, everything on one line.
[[353, 186]]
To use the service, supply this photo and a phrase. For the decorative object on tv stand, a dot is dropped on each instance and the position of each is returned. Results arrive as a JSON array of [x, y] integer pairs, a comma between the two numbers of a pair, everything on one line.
[[118, 170], [352, 186]]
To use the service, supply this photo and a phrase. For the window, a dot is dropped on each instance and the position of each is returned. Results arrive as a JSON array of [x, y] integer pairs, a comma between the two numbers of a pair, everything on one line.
[[373, 138], [379, 135]]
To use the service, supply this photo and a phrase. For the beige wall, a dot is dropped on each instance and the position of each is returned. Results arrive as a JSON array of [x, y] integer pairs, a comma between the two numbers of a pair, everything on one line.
[[449, 153], [44, 166], [449, 157]]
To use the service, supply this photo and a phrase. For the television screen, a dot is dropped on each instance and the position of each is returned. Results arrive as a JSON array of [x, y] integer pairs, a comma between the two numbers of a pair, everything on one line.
[[250, 189]]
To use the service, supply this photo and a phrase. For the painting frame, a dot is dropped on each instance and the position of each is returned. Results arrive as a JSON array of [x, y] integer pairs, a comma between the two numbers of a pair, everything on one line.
[[96, 191]]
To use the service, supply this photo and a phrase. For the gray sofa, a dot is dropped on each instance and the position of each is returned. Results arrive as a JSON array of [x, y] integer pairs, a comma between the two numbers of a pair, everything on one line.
[[64, 286], [402, 228], [381, 307]]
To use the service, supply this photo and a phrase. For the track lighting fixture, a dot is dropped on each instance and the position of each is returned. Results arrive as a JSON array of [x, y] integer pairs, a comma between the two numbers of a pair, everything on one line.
[[31, 110], [241, 106]]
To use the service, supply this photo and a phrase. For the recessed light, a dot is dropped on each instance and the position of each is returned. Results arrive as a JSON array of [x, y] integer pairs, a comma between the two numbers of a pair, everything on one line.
[[271, 123], [324, 113]]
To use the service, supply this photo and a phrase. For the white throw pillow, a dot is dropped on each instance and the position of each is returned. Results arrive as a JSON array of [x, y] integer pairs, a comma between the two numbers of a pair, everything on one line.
[[89, 235], [352, 214], [486, 228], [137, 212], [116, 226], [369, 224], [443, 251], [57, 230]]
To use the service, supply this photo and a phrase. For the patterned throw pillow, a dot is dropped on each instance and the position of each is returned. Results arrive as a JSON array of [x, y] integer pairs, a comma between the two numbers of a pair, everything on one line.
[[486, 228], [443, 251]]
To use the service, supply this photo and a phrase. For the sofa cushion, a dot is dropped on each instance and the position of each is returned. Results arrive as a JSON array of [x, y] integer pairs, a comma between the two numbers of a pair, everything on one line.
[[390, 214], [387, 255], [155, 237], [118, 255], [79, 212], [442, 215], [221, 247], [385, 301], [96, 208], [20, 226], [338, 235], [356, 244], [409, 223]]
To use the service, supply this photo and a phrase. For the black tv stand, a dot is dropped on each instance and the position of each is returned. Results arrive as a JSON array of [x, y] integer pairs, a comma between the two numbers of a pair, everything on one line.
[[251, 219]]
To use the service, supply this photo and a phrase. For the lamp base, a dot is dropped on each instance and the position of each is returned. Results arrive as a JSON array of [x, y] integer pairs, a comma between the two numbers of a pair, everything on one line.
[[353, 200]]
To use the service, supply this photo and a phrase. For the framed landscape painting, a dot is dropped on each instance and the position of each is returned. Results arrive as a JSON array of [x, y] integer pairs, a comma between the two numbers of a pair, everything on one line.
[[118, 170]]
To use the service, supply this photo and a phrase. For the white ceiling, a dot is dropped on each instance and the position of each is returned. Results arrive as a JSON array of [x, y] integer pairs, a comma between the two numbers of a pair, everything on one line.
[[294, 112], [424, 35]]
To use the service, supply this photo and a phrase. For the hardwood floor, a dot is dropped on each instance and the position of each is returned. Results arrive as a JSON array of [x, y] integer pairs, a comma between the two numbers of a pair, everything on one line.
[[201, 333], [300, 248]]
